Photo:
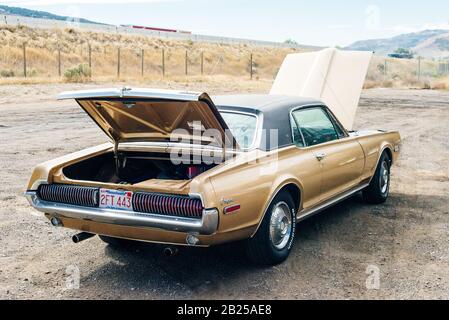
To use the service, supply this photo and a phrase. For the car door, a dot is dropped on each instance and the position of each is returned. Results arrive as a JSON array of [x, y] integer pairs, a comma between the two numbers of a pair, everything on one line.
[[306, 168], [341, 157]]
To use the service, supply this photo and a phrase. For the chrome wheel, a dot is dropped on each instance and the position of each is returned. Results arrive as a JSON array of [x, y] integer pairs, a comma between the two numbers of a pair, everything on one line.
[[384, 178], [280, 225]]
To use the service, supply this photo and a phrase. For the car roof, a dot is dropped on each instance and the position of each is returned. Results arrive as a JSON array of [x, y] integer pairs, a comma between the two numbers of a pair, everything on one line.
[[274, 110], [262, 102]]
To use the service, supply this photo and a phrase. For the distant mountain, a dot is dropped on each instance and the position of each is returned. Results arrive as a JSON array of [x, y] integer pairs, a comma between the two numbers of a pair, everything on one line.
[[428, 43], [22, 12]]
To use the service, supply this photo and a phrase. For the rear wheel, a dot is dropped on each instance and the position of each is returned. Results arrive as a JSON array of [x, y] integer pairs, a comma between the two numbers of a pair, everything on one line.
[[273, 241], [378, 190]]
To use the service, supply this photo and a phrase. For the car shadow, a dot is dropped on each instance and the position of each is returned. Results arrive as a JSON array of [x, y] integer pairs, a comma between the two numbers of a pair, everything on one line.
[[204, 272]]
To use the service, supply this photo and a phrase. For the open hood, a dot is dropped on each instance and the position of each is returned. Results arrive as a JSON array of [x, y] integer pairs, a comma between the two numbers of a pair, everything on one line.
[[146, 115], [332, 76]]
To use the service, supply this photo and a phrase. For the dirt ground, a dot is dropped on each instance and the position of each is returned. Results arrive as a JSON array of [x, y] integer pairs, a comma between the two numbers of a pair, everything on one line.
[[406, 240]]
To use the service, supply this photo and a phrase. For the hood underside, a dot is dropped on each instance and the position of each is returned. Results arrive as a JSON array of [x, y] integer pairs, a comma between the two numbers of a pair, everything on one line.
[[332, 76]]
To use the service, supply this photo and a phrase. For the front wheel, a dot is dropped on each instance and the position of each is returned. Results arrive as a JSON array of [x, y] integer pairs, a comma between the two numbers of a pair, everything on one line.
[[378, 190], [273, 241]]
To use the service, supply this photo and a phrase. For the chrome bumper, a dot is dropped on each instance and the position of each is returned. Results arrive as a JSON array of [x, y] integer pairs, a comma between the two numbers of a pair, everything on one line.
[[206, 226]]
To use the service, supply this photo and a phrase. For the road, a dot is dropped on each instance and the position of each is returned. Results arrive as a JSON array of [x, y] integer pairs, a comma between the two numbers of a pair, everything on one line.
[[337, 254]]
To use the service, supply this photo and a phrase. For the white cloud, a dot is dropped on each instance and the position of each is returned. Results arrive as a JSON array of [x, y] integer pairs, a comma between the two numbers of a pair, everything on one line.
[[72, 2]]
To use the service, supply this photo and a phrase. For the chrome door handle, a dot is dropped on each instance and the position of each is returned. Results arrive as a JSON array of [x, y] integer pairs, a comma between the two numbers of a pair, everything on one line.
[[320, 156]]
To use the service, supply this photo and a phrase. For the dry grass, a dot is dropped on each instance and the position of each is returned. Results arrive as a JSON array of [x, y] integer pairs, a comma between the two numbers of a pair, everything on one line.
[[43, 47], [441, 84], [401, 73]]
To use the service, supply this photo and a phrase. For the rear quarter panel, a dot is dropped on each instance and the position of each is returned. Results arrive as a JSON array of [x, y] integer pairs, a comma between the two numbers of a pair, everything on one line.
[[254, 180], [44, 172]]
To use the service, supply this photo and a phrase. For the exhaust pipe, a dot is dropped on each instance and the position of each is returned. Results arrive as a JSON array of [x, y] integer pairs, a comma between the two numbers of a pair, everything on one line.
[[56, 222], [77, 238], [170, 251]]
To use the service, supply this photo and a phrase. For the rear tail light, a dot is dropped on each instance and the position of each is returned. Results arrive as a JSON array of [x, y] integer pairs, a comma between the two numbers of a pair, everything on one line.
[[167, 205], [193, 171]]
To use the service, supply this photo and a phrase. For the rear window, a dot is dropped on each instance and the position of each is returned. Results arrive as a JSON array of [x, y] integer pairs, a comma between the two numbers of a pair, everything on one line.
[[242, 126]]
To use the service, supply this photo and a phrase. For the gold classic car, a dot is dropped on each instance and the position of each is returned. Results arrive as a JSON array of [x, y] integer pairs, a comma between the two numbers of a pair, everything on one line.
[[188, 169]]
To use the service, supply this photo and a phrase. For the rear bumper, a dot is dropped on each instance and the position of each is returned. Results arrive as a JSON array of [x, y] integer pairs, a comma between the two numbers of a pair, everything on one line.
[[207, 225]]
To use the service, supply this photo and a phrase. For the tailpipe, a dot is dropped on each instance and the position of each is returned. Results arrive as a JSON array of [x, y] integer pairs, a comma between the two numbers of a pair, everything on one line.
[[170, 251], [77, 238]]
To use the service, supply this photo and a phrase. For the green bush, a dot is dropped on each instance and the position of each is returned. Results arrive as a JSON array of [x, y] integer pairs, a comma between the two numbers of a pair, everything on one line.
[[7, 73], [80, 73]]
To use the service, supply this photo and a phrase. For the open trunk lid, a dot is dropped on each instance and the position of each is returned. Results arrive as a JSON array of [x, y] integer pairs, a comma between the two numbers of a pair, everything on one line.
[[147, 115]]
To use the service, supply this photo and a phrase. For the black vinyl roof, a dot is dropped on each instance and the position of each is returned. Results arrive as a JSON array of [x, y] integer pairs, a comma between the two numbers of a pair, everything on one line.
[[276, 114], [263, 102]]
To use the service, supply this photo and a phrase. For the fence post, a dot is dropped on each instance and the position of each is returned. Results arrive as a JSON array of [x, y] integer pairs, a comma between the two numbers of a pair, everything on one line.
[[385, 67], [59, 62], [142, 56], [24, 61], [202, 62], [251, 66], [118, 63], [90, 57], [187, 63], [163, 62], [419, 68]]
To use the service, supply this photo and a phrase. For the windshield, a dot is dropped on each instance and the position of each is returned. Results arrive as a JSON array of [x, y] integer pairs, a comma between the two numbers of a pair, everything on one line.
[[243, 127]]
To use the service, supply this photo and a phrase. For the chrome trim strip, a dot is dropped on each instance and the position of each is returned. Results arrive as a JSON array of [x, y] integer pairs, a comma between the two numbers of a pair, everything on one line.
[[313, 211], [326, 109], [131, 93], [166, 147], [208, 225]]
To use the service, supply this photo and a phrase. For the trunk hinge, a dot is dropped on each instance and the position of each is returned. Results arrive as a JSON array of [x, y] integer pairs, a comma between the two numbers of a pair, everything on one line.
[[117, 157]]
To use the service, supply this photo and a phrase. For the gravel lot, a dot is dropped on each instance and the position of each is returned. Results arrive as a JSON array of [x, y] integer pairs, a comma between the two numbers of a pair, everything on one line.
[[406, 239]]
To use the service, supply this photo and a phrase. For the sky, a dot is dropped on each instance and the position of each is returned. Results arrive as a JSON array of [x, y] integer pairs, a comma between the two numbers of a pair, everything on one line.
[[311, 22]]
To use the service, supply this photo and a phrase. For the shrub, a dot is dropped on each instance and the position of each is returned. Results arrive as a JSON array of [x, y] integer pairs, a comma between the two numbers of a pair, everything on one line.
[[7, 73], [80, 73]]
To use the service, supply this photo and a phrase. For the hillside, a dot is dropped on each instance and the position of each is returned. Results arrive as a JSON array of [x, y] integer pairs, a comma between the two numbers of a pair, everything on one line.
[[22, 12], [428, 44], [43, 47]]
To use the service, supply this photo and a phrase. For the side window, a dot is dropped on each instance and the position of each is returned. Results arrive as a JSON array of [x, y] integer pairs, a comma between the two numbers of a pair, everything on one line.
[[296, 135], [340, 132], [315, 126]]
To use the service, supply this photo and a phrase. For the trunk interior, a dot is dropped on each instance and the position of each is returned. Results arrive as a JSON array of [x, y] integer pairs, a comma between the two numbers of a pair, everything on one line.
[[132, 168]]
